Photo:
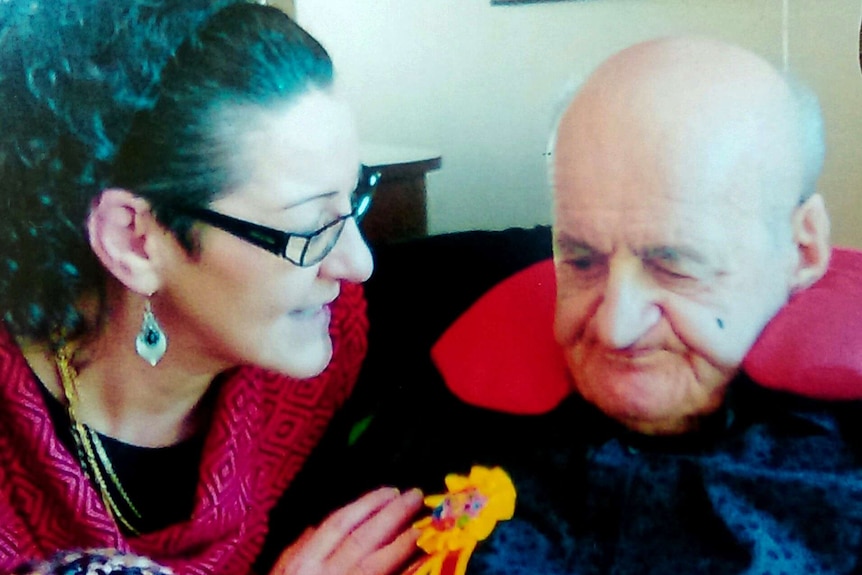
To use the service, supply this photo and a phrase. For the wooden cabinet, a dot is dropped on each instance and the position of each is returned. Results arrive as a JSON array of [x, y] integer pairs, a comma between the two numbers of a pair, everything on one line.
[[399, 210]]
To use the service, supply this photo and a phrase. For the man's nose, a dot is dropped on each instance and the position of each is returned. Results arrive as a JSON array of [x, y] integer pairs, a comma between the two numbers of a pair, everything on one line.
[[628, 309], [350, 258]]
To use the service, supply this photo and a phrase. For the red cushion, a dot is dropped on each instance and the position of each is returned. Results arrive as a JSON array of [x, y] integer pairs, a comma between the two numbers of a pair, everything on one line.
[[501, 354], [814, 345]]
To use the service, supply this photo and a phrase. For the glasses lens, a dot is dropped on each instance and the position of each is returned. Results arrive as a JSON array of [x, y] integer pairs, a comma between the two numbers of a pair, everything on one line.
[[309, 251]]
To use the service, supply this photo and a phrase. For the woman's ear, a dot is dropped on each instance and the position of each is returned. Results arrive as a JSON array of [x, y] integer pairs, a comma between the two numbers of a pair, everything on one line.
[[811, 237], [125, 237]]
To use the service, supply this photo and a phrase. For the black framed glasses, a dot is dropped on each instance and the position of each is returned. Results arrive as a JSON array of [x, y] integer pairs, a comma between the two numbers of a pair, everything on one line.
[[301, 249]]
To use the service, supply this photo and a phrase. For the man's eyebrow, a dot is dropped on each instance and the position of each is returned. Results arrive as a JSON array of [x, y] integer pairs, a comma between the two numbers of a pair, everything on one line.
[[674, 254], [566, 243]]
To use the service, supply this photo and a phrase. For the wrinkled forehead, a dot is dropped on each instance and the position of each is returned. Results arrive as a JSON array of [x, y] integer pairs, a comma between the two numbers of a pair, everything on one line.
[[618, 166], [622, 183], [641, 226], [704, 166]]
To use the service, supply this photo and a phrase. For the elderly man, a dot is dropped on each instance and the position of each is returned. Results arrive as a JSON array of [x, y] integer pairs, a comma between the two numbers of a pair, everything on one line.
[[685, 216]]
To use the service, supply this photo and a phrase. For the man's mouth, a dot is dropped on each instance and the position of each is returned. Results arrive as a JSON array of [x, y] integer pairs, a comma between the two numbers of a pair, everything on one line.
[[640, 357]]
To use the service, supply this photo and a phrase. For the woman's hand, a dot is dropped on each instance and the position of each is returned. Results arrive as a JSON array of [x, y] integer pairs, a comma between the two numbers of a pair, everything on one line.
[[370, 536]]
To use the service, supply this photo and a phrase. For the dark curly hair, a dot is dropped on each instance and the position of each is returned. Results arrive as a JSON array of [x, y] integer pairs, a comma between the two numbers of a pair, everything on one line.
[[96, 94]]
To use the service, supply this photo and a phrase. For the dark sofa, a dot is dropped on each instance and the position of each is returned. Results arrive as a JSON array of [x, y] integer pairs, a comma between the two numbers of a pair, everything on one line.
[[418, 288]]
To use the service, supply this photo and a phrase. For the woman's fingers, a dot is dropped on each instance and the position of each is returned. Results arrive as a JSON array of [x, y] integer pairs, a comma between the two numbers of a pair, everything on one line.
[[379, 529], [367, 536], [388, 558], [293, 554]]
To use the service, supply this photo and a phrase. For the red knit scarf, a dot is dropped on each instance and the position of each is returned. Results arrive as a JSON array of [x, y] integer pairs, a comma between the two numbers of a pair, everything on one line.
[[263, 429]]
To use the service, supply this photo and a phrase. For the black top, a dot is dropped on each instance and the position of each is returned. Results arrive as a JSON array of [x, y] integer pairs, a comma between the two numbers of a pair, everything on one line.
[[160, 481], [771, 484]]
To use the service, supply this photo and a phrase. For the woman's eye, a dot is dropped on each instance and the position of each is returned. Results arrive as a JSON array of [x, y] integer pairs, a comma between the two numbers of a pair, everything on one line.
[[318, 222]]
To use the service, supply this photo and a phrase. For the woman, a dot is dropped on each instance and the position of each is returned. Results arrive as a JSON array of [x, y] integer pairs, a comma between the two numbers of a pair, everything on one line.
[[180, 194]]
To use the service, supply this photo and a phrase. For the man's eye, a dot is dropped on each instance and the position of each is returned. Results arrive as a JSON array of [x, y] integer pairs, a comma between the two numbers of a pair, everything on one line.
[[671, 272], [584, 270], [674, 274], [581, 264]]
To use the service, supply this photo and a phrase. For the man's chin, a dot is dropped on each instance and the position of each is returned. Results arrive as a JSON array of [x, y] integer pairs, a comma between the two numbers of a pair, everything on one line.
[[661, 426], [652, 403]]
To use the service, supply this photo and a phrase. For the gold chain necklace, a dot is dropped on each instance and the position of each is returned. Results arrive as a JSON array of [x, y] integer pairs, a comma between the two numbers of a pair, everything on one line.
[[91, 453]]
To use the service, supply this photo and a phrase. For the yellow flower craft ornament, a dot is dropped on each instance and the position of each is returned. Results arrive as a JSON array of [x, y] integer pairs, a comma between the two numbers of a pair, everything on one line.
[[466, 514]]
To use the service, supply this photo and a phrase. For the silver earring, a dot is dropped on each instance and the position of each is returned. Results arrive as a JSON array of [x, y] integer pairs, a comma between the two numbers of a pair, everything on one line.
[[151, 342]]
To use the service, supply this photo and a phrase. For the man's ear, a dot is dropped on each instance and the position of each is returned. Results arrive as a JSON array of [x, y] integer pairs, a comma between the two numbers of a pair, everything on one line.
[[811, 237], [124, 235]]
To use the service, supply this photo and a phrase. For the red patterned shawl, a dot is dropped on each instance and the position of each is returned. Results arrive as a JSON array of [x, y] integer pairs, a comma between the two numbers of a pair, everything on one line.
[[263, 429]]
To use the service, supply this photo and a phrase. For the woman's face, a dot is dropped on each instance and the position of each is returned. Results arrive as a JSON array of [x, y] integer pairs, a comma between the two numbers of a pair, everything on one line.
[[235, 303]]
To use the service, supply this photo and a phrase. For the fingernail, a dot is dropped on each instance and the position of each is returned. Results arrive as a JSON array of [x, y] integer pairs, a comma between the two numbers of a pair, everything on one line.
[[414, 495], [388, 493]]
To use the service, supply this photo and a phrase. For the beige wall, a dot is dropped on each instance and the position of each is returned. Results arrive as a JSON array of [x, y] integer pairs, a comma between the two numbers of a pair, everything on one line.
[[480, 84], [286, 5]]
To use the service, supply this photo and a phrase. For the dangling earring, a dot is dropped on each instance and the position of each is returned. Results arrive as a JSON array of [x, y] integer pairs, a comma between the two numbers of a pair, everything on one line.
[[151, 342]]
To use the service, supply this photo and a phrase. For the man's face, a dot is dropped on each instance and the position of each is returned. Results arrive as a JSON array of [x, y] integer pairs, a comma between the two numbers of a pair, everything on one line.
[[667, 271]]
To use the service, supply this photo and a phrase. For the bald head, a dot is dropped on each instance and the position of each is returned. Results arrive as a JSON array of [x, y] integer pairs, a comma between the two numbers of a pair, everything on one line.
[[683, 220], [683, 104]]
